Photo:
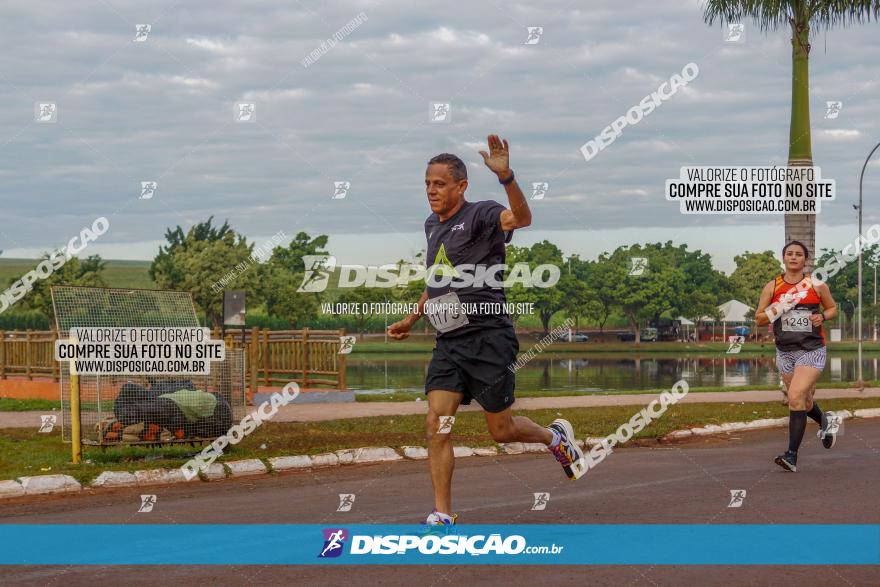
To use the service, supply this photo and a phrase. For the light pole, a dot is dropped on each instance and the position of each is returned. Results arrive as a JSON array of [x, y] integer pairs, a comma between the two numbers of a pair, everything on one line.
[[860, 383]]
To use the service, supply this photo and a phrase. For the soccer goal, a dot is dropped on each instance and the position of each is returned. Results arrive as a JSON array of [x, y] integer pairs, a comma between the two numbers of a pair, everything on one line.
[[142, 408]]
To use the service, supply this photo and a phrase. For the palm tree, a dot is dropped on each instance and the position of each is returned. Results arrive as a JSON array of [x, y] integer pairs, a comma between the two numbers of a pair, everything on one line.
[[802, 16]]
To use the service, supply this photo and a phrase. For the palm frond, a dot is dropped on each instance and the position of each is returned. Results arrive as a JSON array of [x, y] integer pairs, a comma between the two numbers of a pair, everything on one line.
[[826, 14], [771, 14], [768, 14]]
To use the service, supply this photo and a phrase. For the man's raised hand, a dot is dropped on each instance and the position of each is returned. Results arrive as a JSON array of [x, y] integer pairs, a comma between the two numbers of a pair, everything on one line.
[[498, 157]]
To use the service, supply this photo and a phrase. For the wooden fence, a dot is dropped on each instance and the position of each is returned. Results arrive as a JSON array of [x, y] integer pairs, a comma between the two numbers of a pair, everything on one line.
[[274, 357]]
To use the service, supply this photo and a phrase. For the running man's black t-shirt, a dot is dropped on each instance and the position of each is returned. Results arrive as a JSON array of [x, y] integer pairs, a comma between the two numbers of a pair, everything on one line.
[[473, 236]]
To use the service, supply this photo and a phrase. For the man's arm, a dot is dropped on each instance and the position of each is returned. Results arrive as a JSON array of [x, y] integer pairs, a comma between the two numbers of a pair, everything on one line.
[[498, 161], [400, 330]]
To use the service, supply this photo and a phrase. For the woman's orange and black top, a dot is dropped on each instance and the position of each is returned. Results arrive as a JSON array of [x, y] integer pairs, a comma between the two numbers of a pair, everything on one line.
[[793, 330]]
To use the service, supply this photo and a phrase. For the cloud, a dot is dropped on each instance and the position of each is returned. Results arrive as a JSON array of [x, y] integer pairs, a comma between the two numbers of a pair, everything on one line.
[[162, 109]]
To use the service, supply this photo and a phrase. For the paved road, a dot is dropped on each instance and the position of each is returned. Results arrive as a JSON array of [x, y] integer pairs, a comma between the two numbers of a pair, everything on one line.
[[319, 412], [683, 483]]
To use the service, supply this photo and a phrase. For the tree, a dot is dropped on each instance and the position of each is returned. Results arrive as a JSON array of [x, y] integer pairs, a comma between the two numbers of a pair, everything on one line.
[[753, 271], [302, 244], [178, 240], [581, 299], [602, 276], [204, 262], [277, 288], [88, 272], [803, 17], [702, 286], [359, 296], [547, 300], [641, 298], [845, 281]]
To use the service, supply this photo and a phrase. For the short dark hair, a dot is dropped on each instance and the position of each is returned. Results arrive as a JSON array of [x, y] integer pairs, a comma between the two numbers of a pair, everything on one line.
[[456, 165], [800, 244]]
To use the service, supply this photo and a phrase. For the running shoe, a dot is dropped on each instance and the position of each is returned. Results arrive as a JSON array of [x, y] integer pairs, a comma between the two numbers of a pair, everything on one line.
[[787, 461], [567, 452], [828, 438], [436, 518], [439, 523]]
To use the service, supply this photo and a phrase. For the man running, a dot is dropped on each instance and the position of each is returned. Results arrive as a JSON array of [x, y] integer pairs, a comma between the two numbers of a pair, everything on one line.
[[473, 349], [798, 307]]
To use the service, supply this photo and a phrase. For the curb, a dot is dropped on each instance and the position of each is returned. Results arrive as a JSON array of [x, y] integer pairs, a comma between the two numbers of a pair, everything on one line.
[[711, 429], [51, 484]]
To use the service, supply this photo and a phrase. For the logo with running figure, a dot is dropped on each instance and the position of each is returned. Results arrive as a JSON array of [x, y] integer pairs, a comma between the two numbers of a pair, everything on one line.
[[736, 344], [832, 109], [346, 344], [346, 502], [637, 266], [148, 502], [533, 35], [334, 541], [835, 425], [441, 112], [541, 501], [446, 423], [340, 189], [540, 189], [47, 423], [737, 497], [317, 275], [736, 33]]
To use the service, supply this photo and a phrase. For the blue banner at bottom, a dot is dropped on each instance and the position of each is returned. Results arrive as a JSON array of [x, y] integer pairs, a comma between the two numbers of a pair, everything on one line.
[[352, 544]]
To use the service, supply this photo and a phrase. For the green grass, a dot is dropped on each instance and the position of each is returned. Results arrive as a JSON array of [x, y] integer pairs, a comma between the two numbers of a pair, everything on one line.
[[408, 396], [27, 405], [402, 396], [624, 348], [26, 452], [117, 273]]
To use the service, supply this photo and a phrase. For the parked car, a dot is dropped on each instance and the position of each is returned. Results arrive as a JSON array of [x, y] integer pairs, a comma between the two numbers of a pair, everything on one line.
[[627, 337], [649, 335], [578, 337]]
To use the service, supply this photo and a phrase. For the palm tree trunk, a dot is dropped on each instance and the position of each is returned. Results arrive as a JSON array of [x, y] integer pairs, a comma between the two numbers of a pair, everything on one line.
[[800, 227]]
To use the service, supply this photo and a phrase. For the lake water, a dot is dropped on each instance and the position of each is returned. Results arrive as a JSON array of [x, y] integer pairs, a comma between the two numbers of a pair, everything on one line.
[[589, 373]]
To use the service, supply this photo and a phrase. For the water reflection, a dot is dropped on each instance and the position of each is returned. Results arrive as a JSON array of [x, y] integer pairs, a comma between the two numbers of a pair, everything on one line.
[[593, 373]]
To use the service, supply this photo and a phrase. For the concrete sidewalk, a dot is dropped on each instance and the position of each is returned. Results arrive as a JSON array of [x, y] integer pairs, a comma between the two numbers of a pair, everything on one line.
[[326, 411]]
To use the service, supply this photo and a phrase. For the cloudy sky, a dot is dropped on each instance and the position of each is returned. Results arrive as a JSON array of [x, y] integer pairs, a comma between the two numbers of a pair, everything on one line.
[[164, 110]]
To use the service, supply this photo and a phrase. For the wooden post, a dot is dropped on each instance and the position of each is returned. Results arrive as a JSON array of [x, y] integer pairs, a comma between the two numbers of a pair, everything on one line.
[[56, 372], [265, 350], [306, 366], [27, 354], [253, 357], [2, 354], [340, 365]]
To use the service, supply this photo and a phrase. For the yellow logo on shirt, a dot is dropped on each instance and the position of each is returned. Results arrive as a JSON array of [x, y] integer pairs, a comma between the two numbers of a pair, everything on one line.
[[442, 265]]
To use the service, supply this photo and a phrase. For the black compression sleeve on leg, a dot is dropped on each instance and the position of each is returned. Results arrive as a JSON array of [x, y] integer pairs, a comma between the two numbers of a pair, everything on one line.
[[797, 424], [815, 414]]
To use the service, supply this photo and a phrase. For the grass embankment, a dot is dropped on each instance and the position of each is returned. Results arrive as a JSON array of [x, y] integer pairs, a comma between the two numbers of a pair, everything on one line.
[[45, 405], [408, 396], [27, 452], [525, 343]]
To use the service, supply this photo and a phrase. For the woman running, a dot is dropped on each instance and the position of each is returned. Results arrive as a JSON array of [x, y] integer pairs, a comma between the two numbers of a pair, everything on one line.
[[798, 307]]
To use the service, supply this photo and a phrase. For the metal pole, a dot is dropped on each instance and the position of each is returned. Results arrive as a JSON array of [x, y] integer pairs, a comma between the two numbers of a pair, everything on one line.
[[860, 383]]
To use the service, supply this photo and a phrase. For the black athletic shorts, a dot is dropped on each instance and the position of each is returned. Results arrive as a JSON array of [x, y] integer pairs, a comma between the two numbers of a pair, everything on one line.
[[476, 364]]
